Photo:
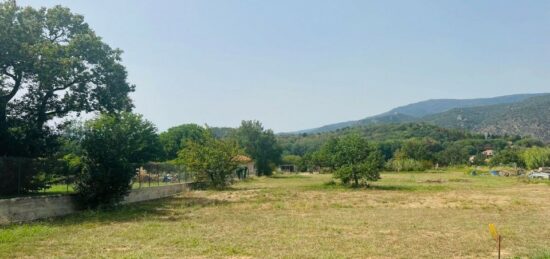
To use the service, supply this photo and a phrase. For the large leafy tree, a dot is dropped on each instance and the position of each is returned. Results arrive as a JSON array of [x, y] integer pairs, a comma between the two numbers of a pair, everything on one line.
[[260, 144], [176, 138], [52, 64], [455, 154], [114, 146]]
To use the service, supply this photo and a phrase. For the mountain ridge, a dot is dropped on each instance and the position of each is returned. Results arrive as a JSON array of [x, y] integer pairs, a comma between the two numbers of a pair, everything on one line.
[[441, 111]]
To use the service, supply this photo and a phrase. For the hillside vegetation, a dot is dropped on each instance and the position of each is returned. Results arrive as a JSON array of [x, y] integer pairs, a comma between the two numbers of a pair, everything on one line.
[[429, 107], [523, 114], [527, 118], [304, 143]]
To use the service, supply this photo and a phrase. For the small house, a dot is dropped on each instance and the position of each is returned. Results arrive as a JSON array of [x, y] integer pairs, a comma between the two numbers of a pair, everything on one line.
[[246, 167], [488, 153]]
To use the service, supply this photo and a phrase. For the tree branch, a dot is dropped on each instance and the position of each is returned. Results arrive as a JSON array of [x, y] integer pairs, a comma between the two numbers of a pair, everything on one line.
[[65, 86], [56, 112], [17, 78]]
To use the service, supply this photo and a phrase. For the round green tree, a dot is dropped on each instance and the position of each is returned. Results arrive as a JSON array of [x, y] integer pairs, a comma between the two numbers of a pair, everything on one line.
[[356, 161], [114, 146]]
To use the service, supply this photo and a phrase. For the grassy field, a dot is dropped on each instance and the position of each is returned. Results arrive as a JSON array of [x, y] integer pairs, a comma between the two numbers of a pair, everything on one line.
[[406, 215]]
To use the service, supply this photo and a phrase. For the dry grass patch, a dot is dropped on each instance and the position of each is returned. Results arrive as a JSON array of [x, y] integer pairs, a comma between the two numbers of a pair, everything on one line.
[[405, 215]]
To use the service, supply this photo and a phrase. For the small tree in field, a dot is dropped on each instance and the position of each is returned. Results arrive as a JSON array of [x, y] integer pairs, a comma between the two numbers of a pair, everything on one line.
[[113, 146], [356, 161], [213, 161]]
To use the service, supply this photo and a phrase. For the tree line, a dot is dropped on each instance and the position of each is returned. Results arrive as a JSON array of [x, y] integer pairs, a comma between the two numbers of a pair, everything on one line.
[[416, 147], [54, 66]]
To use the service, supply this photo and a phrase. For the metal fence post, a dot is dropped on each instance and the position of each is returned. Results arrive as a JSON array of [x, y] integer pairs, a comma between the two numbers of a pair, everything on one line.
[[18, 176]]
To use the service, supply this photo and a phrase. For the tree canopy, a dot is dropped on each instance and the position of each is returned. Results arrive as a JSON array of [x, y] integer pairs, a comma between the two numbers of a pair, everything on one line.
[[356, 161], [176, 138], [260, 144], [52, 64]]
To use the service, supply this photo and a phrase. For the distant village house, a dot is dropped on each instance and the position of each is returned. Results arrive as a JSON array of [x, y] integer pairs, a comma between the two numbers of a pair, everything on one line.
[[246, 167]]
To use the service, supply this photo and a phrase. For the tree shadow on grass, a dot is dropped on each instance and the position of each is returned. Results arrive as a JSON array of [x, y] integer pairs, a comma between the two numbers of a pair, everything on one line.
[[289, 176], [408, 188], [166, 209], [391, 187], [335, 186], [237, 189]]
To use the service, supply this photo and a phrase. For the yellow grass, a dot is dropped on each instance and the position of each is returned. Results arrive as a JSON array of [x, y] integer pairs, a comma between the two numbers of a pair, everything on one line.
[[405, 215]]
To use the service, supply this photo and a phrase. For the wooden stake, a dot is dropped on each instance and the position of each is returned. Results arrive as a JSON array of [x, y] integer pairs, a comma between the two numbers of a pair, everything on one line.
[[499, 239]]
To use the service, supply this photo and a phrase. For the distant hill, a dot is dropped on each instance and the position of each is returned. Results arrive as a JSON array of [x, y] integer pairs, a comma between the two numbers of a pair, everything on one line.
[[530, 117], [521, 114], [374, 120], [429, 107]]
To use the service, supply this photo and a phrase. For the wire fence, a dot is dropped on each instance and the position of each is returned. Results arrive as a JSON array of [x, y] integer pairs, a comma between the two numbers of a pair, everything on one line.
[[154, 173], [20, 176]]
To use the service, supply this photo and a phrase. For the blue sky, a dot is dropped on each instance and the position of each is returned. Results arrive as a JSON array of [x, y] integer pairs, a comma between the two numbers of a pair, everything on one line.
[[301, 64]]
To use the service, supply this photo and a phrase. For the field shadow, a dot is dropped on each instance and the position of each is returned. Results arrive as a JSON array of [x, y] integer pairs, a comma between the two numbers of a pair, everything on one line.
[[239, 189], [391, 187], [289, 176], [331, 186], [166, 209], [408, 188]]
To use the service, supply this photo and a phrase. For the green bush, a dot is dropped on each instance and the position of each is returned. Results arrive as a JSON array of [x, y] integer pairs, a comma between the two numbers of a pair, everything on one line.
[[113, 147], [536, 157]]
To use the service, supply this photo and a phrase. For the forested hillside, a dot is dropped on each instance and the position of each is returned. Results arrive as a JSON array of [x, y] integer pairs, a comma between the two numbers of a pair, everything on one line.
[[530, 117], [522, 114], [304, 143], [430, 107]]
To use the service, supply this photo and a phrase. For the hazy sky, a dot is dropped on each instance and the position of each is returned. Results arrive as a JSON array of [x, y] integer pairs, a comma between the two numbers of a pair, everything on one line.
[[302, 64]]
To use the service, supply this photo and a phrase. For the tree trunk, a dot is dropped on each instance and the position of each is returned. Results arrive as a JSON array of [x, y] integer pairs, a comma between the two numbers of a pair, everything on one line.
[[4, 138], [4, 100], [42, 118], [3, 116]]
